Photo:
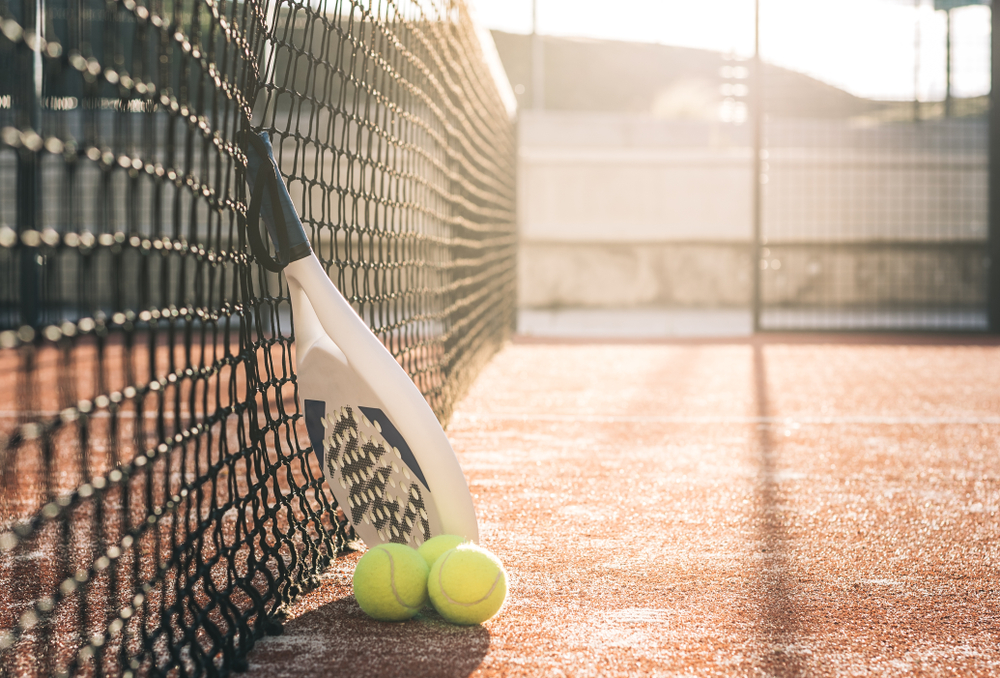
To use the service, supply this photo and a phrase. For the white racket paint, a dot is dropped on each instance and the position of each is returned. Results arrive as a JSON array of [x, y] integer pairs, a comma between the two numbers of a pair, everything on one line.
[[385, 456]]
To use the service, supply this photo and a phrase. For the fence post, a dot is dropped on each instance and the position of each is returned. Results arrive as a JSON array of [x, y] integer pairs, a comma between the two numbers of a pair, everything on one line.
[[29, 168], [993, 290], [756, 117]]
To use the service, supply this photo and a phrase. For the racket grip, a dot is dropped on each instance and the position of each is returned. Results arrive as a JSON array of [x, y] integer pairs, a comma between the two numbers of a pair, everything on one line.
[[268, 191]]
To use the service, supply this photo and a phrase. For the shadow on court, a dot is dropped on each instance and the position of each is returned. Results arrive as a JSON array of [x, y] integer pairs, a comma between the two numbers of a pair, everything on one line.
[[337, 639], [779, 624]]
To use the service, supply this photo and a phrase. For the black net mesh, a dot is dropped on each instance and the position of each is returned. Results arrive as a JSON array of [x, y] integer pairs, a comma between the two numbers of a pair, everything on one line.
[[159, 503]]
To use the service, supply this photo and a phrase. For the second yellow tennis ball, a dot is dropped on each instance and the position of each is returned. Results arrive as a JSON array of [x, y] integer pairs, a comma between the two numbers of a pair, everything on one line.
[[390, 582], [434, 548], [467, 585]]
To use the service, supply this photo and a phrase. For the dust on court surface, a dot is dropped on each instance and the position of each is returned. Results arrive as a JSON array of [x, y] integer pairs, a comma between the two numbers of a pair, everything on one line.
[[767, 506]]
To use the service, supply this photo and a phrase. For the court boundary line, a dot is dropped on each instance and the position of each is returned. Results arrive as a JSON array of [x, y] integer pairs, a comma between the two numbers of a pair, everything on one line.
[[786, 421], [777, 338]]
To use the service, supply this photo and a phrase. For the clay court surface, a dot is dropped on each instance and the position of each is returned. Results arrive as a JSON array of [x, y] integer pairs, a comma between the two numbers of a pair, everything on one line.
[[782, 505]]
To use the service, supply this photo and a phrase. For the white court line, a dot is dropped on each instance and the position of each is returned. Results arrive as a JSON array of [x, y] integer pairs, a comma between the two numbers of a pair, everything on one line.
[[122, 414], [787, 421], [625, 419]]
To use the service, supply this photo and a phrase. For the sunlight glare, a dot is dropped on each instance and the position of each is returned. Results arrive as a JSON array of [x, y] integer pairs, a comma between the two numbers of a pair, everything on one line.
[[866, 47]]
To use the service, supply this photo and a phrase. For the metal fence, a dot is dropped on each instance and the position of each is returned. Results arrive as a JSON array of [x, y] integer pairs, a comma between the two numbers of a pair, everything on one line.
[[872, 199]]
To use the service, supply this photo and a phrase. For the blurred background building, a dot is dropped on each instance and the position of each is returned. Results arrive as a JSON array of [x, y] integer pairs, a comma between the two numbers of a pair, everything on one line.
[[867, 123]]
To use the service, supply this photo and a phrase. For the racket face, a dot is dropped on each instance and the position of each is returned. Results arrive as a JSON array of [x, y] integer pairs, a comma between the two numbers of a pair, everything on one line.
[[368, 465], [383, 452]]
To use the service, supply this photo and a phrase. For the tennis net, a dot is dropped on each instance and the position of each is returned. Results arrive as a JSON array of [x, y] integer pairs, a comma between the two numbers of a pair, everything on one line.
[[159, 503]]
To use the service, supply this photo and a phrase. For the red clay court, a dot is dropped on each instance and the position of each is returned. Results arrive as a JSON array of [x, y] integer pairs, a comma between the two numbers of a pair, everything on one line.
[[777, 505], [758, 505]]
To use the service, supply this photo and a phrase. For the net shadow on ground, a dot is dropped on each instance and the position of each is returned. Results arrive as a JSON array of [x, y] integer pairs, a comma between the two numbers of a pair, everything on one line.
[[337, 638]]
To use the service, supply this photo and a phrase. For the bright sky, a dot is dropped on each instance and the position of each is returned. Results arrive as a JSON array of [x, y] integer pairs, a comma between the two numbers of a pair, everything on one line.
[[867, 47]]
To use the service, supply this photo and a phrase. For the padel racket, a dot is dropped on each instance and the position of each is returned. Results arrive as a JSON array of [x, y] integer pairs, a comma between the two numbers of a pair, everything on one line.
[[383, 452]]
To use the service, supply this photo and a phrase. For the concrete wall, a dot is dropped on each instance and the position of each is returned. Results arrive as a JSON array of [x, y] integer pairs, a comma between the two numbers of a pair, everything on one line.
[[624, 211], [630, 211], [654, 274]]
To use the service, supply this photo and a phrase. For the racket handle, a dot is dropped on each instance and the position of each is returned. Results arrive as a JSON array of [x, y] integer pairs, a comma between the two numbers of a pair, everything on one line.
[[270, 201]]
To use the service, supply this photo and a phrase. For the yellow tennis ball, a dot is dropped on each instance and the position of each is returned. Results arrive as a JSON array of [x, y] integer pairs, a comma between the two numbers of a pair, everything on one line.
[[467, 585], [390, 582], [433, 548]]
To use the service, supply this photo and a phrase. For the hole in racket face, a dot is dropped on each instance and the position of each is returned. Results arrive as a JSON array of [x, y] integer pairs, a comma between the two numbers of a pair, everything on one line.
[[381, 490]]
